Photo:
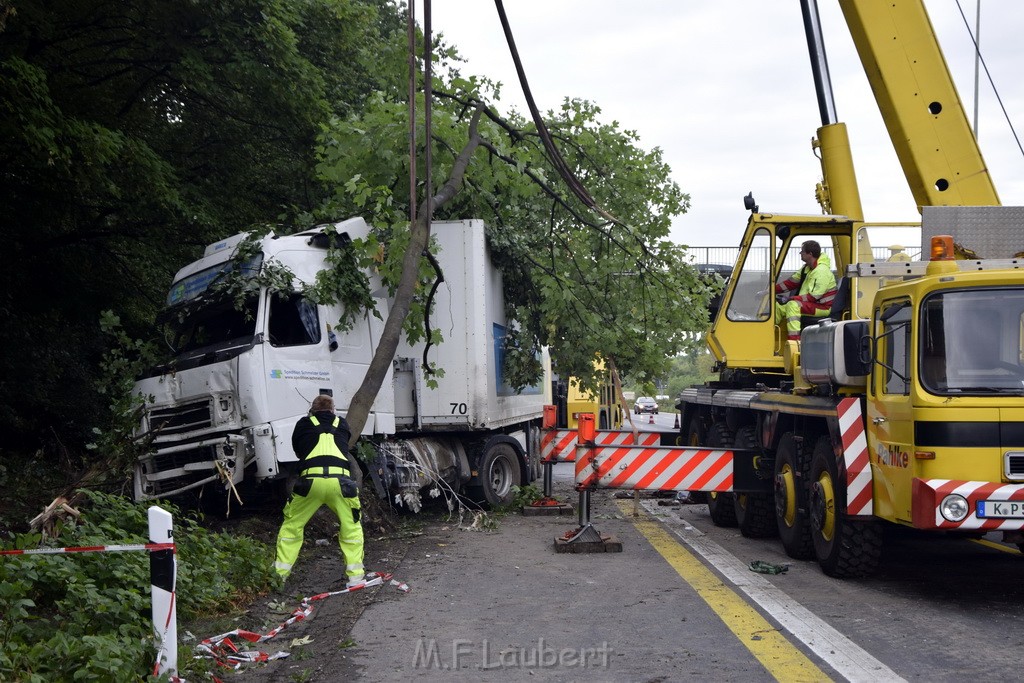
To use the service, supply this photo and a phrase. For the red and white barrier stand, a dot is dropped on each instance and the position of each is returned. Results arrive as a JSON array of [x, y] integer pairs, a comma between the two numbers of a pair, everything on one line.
[[606, 460], [556, 445], [163, 571]]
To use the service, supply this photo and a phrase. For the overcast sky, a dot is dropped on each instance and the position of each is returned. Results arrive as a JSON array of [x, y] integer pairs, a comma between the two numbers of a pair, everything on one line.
[[724, 88]]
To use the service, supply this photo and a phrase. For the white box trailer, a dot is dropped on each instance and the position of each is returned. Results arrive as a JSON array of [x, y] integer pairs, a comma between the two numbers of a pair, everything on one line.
[[222, 411]]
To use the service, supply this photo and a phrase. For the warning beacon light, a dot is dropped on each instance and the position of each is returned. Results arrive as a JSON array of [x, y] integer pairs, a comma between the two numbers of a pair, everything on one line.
[[942, 248]]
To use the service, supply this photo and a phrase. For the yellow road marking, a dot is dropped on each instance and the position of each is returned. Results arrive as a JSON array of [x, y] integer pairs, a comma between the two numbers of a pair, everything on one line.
[[775, 653], [996, 546]]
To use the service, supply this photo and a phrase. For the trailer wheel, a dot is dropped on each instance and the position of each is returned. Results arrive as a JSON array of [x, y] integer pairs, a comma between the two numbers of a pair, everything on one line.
[[498, 473], [844, 548], [721, 505], [755, 513], [792, 471]]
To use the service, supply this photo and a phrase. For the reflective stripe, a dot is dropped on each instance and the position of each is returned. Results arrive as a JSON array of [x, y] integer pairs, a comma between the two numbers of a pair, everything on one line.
[[320, 470], [350, 567]]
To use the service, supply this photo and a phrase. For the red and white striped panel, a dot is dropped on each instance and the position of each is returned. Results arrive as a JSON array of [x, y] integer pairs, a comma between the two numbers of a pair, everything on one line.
[[624, 437], [855, 458], [927, 495], [558, 445], [659, 468]]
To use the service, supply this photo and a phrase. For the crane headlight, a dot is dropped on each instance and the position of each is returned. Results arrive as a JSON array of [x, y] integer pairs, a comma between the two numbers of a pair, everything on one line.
[[954, 508]]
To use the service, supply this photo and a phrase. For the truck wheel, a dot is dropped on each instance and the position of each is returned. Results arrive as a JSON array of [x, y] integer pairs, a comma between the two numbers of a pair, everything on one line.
[[792, 471], [844, 548], [695, 436], [498, 473], [721, 505], [755, 514]]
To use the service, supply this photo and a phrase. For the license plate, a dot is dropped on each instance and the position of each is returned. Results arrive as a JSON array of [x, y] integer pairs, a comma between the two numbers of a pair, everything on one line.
[[1006, 509]]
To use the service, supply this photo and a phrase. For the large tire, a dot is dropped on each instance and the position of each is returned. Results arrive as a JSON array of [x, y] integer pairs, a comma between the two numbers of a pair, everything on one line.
[[844, 548], [755, 512], [497, 476], [721, 505], [792, 472], [695, 436]]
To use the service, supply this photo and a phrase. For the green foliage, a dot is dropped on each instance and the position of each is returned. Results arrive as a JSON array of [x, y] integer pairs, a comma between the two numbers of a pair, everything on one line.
[[123, 361], [87, 617], [132, 134], [524, 495], [689, 369], [575, 280]]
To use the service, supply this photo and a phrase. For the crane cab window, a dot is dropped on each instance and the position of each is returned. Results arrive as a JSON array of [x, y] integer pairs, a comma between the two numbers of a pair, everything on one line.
[[751, 295]]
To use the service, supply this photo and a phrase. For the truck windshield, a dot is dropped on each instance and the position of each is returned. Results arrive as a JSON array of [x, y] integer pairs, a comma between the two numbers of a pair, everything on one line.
[[971, 342], [210, 325]]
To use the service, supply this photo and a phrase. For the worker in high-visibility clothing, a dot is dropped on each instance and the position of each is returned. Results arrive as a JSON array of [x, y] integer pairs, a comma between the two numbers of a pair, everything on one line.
[[808, 291], [320, 440]]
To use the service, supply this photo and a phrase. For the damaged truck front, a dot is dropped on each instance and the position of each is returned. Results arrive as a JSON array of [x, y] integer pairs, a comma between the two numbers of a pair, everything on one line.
[[249, 360]]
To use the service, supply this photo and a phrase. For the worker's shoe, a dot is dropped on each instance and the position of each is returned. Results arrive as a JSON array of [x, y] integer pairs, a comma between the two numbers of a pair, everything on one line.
[[354, 581]]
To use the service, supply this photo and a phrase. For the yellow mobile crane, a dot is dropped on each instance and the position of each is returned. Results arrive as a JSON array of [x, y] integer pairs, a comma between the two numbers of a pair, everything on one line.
[[906, 405]]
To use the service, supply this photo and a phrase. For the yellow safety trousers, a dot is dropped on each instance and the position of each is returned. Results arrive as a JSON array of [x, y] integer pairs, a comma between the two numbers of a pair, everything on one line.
[[312, 490], [299, 510]]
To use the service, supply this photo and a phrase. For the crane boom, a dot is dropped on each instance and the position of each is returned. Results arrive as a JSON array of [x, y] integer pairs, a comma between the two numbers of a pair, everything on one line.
[[919, 103]]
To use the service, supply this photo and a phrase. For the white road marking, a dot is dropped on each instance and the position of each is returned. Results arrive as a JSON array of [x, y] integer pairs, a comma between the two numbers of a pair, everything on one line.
[[847, 658]]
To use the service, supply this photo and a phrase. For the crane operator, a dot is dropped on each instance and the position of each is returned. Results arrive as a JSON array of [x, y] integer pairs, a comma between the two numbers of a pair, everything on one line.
[[809, 291]]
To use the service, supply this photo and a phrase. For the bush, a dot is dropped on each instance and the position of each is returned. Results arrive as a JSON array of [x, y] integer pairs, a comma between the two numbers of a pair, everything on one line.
[[86, 617]]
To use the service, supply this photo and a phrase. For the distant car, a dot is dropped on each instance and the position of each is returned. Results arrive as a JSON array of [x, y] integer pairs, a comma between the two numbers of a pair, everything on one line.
[[645, 404]]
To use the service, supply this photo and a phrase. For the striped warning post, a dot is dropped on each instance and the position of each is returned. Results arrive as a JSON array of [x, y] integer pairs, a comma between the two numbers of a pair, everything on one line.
[[855, 458], [987, 502], [558, 445], [654, 468]]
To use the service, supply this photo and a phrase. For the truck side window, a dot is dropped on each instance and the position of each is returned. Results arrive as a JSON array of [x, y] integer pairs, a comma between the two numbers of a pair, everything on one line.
[[897, 351], [293, 321]]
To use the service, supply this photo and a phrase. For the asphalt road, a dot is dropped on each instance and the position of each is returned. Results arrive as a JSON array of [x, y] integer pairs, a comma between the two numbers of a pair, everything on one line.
[[680, 602]]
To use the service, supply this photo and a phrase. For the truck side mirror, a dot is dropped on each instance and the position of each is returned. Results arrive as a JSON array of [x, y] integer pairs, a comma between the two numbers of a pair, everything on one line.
[[867, 350]]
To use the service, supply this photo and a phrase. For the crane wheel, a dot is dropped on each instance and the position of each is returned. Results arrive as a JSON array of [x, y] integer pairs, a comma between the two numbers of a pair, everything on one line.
[[844, 547], [721, 505], [754, 512], [792, 470]]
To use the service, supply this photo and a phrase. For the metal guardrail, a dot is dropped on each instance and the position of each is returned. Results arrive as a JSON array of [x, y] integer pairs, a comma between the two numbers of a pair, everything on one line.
[[760, 256]]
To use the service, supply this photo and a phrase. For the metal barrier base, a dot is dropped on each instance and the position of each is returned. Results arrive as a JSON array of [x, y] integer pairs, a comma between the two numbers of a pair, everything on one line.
[[547, 507], [587, 539]]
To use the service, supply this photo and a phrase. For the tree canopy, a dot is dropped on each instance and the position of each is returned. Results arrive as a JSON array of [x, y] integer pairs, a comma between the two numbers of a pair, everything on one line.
[[132, 134], [583, 282], [135, 133]]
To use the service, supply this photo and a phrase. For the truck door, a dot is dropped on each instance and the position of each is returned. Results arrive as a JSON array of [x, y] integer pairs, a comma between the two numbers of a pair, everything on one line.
[[890, 427], [296, 355], [745, 330]]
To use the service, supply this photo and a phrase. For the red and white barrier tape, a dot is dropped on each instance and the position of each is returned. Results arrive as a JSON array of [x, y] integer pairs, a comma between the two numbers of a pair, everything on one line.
[[92, 549], [223, 650]]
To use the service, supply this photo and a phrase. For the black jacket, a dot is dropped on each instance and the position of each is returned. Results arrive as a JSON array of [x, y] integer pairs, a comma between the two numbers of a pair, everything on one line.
[[306, 435]]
